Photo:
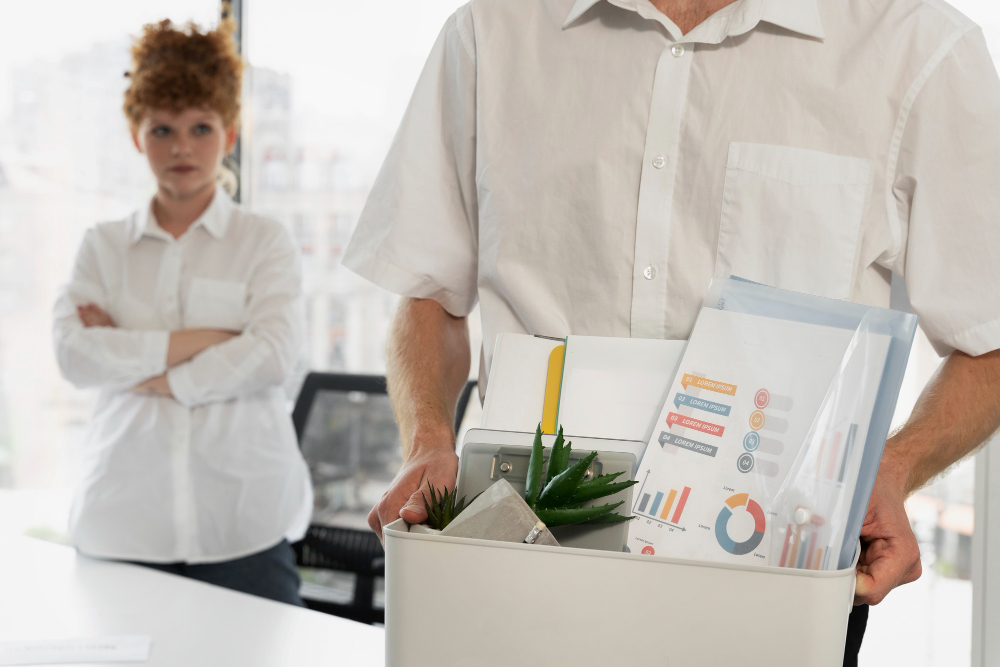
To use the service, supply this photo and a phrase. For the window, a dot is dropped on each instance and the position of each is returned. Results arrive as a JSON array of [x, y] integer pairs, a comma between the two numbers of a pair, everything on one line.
[[66, 162], [327, 87]]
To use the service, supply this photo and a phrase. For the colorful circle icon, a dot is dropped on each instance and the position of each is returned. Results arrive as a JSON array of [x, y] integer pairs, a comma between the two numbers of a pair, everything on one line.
[[722, 525], [756, 420], [751, 441], [762, 398], [648, 550], [745, 462]]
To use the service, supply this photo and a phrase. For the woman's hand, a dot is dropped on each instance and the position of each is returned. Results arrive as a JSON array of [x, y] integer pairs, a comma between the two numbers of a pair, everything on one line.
[[155, 386], [93, 315]]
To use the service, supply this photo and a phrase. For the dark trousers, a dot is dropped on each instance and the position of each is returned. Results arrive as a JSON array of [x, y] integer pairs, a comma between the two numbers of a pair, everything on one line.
[[855, 633], [268, 574]]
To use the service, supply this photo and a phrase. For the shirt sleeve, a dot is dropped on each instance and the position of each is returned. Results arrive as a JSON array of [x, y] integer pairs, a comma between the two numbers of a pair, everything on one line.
[[417, 235], [103, 357], [947, 195], [264, 354]]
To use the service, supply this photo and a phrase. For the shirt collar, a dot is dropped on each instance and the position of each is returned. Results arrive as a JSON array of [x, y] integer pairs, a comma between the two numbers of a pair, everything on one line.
[[215, 219], [801, 16]]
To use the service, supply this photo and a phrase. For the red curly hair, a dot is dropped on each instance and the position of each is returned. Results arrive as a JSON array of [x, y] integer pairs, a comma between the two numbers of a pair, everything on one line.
[[177, 69]]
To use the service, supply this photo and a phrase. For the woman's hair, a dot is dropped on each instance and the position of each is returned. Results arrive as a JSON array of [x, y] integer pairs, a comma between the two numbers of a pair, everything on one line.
[[177, 69]]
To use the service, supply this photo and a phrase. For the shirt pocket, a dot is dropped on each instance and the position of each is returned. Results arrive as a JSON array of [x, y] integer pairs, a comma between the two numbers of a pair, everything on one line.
[[790, 218], [216, 304]]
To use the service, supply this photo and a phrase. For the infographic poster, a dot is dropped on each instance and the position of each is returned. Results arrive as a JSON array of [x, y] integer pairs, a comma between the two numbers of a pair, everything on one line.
[[743, 399]]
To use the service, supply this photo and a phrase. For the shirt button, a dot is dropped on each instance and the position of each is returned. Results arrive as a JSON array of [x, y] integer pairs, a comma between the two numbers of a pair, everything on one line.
[[659, 161], [649, 272], [677, 50]]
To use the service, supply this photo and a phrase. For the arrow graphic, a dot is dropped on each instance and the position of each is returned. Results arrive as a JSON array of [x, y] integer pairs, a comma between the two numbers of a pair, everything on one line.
[[674, 419], [701, 404], [710, 385], [687, 443]]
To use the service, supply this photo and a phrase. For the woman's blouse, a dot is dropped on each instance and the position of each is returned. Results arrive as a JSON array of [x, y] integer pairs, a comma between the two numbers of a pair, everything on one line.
[[215, 472]]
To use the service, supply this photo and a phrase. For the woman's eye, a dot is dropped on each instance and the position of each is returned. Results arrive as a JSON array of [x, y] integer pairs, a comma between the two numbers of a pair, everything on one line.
[[202, 128], [160, 131]]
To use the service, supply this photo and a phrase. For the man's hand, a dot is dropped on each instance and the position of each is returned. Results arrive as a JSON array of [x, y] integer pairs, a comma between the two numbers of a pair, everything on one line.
[[435, 465], [957, 411], [889, 556], [155, 386], [93, 315], [427, 367]]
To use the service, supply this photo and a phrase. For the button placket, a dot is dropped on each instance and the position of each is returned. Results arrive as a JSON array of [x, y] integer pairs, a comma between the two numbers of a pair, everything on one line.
[[656, 188], [169, 287]]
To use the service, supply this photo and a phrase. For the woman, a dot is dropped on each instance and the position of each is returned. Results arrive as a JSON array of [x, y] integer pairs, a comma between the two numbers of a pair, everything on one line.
[[187, 315]]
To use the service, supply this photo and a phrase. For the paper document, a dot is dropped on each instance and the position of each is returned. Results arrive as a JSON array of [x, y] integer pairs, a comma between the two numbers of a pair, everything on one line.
[[121, 648], [516, 390], [593, 386], [614, 387], [745, 395]]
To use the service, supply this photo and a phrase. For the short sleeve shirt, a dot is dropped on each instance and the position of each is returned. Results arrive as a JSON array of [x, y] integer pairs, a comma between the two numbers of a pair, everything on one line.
[[579, 166]]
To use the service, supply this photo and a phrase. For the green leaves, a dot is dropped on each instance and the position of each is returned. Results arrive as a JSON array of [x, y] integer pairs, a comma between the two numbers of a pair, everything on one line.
[[534, 469], [568, 516], [559, 458], [582, 495], [562, 487], [558, 501], [443, 507]]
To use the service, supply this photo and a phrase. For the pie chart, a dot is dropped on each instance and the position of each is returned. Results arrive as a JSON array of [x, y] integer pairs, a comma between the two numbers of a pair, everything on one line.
[[722, 525]]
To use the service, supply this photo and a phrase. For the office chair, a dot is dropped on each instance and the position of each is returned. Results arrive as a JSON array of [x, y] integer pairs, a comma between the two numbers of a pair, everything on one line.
[[349, 438]]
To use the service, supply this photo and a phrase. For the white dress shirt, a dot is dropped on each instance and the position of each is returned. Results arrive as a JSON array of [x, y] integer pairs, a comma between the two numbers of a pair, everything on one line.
[[214, 473], [582, 167]]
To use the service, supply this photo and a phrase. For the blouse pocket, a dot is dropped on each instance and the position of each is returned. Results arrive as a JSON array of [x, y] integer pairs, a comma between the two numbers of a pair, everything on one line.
[[791, 217], [216, 304]]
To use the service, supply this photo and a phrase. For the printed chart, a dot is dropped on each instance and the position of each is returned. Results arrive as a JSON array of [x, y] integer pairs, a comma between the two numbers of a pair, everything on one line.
[[722, 525], [745, 395], [653, 510]]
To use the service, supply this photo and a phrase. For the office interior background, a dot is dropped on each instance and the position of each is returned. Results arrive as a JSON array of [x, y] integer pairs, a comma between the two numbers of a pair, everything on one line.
[[326, 86]]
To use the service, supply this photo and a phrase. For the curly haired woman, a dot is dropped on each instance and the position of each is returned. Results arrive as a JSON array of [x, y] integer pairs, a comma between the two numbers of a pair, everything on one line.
[[187, 316]]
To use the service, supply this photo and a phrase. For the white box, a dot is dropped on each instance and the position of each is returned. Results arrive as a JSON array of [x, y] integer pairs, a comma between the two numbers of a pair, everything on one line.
[[457, 602]]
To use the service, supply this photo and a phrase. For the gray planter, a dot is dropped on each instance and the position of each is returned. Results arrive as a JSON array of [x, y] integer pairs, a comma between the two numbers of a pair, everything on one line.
[[499, 514]]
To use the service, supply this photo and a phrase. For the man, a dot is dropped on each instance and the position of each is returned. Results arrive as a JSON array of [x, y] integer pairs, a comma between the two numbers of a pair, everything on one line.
[[587, 166]]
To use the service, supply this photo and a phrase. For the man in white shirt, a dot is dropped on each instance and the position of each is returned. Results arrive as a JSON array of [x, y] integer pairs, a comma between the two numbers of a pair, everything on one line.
[[587, 166]]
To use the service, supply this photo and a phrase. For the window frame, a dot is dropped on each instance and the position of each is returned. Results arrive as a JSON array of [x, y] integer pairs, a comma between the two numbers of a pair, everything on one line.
[[985, 571]]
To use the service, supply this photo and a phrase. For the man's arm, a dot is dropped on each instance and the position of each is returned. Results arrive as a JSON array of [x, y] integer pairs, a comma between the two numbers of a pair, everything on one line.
[[428, 365], [957, 411]]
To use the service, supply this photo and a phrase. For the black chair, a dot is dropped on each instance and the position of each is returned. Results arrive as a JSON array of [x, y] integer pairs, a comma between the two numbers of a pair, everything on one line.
[[349, 438]]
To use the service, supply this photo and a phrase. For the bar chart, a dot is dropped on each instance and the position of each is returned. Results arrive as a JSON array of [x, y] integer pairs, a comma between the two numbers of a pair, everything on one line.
[[663, 507]]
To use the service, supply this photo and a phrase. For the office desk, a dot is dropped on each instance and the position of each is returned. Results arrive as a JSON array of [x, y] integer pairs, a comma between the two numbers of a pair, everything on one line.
[[47, 591]]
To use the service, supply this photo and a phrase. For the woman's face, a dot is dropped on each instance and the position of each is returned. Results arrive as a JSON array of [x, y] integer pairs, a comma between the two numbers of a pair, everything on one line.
[[184, 149]]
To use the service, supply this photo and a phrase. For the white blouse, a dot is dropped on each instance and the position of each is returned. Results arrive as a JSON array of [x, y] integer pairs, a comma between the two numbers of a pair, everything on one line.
[[214, 473]]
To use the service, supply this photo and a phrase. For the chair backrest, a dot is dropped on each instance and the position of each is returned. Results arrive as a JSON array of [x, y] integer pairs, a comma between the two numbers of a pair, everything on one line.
[[348, 436], [350, 441]]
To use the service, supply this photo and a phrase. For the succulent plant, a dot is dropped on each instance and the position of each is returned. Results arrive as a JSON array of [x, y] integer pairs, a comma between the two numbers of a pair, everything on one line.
[[443, 507], [559, 501]]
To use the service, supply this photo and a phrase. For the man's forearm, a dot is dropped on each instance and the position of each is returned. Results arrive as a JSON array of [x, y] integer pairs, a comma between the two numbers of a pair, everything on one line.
[[957, 411], [428, 364]]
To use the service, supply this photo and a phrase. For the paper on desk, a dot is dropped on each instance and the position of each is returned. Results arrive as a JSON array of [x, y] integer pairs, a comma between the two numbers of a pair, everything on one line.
[[120, 648]]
